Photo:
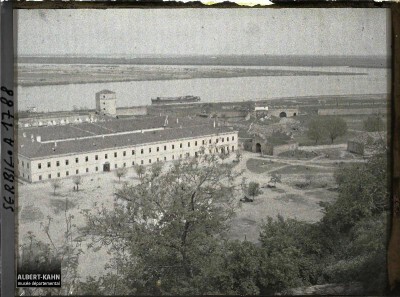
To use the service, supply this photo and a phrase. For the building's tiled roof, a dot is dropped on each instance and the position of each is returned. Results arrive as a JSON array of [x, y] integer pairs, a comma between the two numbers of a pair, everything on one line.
[[35, 149], [54, 132], [54, 114], [50, 133]]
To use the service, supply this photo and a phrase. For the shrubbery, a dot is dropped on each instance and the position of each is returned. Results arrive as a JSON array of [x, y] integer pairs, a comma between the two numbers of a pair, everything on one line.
[[374, 124], [323, 127]]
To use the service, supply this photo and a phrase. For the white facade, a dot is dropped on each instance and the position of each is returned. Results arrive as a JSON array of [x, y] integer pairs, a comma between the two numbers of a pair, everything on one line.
[[106, 103], [62, 166], [261, 108], [56, 120]]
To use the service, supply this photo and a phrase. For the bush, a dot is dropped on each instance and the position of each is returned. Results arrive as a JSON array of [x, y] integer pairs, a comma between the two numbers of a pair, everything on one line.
[[298, 154], [373, 124], [328, 126]]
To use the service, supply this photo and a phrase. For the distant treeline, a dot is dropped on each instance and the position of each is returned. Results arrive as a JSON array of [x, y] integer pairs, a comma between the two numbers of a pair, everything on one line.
[[350, 61]]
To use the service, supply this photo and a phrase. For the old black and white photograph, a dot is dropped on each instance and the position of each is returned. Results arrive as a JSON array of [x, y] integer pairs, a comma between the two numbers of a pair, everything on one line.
[[231, 151]]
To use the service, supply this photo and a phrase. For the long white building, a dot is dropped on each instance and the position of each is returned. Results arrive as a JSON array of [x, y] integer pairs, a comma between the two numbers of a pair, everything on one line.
[[46, 153]]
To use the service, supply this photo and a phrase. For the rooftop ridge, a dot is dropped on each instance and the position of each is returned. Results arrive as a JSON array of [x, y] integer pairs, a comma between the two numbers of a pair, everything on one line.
[[102, 135]]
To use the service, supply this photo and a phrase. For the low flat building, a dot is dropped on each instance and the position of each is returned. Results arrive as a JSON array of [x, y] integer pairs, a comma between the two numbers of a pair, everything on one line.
[[362, 142], [106, 108], [261, 108], [355, 146], [274, 149], [260, 111], [283, 112], [271, 145], [55, 118], [53, 152]]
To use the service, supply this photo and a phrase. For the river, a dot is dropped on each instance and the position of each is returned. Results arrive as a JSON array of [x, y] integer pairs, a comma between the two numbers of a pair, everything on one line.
[[135, 93]]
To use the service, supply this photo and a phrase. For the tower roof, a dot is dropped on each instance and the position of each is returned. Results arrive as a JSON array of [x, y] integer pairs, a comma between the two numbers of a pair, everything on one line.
[[105, 92]]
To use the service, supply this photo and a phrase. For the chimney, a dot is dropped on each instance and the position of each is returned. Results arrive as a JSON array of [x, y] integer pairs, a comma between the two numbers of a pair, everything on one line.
[[24, 134], [55, 143], [166, 121], [214, 123], [38, 138], [31, 136], [177, 120]]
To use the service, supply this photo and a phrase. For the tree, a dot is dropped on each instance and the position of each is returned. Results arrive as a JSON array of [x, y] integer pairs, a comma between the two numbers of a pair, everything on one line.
[[50, 254], [361, 256], [290, 255], [206, 108], [335, 127], [356, 223], [222, 155], [332, 126], [374, 123], [121, 172], [254, 189], [77, 180], [167, 235], [238, 271], [363, 192], [275, 178], [239, 155], [55, 184], [140, 170], [156, 169], [224, 117], [316, 129]]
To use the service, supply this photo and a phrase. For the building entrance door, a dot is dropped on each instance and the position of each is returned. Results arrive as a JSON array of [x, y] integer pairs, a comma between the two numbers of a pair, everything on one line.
[[258, 148], [106, 166]]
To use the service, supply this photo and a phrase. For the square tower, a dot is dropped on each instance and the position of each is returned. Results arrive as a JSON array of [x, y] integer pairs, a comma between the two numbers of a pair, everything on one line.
[[106, 103]]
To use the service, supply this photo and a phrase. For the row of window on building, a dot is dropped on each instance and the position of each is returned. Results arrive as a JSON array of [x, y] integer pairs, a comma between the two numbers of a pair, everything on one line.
[[142, 151], [142, 162]]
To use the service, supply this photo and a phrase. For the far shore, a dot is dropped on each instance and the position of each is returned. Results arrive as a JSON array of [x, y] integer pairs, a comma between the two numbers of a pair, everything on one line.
[[29, 77]]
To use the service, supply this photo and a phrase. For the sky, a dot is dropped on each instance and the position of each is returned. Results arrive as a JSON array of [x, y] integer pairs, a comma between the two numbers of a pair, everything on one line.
[[207, 31]]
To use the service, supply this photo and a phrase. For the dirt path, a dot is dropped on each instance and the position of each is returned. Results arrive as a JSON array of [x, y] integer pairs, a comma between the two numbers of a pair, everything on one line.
[[313, 163], [323, 147]]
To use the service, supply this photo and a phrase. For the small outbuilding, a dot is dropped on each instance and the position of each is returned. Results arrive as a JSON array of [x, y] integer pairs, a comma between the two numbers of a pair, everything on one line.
[[270, 145], [360, 143], [355, 146]]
